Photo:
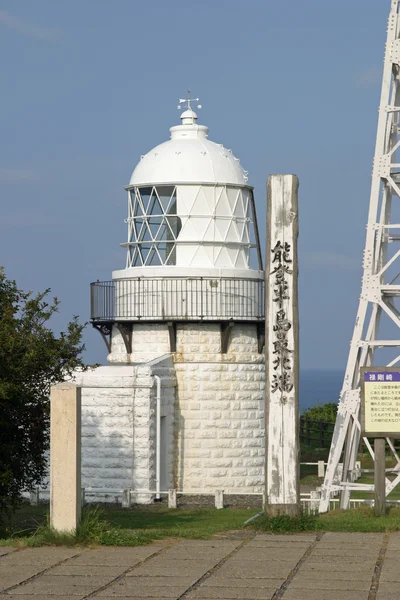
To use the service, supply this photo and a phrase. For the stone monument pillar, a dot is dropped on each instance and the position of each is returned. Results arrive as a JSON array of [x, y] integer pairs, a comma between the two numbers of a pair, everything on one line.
[[282, 347]]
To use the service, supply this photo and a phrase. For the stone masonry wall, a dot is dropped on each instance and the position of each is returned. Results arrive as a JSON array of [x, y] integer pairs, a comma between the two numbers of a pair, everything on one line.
[[149, 342], [219, 418]]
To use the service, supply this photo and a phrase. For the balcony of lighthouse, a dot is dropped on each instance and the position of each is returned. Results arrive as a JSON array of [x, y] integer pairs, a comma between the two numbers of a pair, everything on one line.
[[142, 299]]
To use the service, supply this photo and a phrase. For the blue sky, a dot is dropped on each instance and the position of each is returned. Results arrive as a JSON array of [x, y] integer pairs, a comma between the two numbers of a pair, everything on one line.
[[87, 87]]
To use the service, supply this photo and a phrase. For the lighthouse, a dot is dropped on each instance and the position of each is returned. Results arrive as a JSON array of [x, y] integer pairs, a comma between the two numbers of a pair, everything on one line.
[[181, 402]]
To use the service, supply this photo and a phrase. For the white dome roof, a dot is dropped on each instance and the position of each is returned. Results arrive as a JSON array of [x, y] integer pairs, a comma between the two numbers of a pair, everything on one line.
[[189, 157]]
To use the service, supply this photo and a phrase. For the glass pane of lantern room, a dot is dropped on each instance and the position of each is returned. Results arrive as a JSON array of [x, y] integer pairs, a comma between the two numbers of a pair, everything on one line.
[[153, 258], [144, 250], [162, 250], [136, 203], [137, 224], [135, 257], [164, 193], [145, 194], [175, 225], [154, 224]]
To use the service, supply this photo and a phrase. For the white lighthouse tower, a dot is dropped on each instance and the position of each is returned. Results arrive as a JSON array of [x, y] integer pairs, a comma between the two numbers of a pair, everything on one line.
[[184, 327]]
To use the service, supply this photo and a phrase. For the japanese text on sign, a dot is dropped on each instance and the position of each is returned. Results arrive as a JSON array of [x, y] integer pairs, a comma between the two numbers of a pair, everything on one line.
[[382, 402]]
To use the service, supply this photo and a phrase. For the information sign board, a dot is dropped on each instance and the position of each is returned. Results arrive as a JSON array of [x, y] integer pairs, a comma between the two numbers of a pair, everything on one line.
[[380, 402]]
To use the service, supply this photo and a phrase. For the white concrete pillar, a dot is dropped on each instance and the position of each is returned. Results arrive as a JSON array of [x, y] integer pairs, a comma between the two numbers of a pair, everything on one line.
[[172, 498], [321, 468], [315, 499], [65, 457], [34, 496], [126, 498], [219, 498]]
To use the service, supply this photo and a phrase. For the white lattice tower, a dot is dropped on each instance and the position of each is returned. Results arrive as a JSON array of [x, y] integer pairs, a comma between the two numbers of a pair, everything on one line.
[[380, 288]]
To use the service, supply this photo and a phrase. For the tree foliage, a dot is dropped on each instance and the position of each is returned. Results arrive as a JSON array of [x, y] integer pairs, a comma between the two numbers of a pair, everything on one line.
[[32, 358], [322, 412]]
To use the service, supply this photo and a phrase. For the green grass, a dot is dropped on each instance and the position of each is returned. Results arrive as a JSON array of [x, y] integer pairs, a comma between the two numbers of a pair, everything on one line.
[[121, 527], [355, 520], [360, 519]]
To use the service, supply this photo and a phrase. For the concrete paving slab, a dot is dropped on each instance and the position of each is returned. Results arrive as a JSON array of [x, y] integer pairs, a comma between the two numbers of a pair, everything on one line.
[[6, 550], [346, 552], [321, 583], [230, 544], [42, 557], [265, 545], [43, 597], [343, 559], [387, 596], [216, 581], [164, 560], [15, 575], [255, 555], [87, 570], [373, 547], [390, 559], [174, 569], [232, 593], [331, 577], [338, 562], [58, 585], [156, 581], [115, 556], [390, 576], [307, 537], [333, 570], [257, 570], [390, 587], [395, 537], [325, 595], [352, 538], [125, 589], [201, 555], [8, 581]]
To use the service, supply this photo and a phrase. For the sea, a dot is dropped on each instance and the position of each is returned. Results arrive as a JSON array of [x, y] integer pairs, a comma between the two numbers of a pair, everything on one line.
[[319, 387]]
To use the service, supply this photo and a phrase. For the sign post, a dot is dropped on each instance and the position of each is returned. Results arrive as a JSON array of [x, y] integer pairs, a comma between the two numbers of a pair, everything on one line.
[[379, 477], [380, 419]]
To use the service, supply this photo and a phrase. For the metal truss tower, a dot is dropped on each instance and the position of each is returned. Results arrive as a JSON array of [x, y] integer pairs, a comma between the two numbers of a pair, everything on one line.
[[378, 310]]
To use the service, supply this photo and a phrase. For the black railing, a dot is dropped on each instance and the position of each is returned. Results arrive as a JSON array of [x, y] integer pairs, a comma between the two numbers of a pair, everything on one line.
[[177, 298], [316, 433]]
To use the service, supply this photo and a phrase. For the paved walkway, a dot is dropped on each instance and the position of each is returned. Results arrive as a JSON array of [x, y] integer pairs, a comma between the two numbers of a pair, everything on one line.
[[330, 566]]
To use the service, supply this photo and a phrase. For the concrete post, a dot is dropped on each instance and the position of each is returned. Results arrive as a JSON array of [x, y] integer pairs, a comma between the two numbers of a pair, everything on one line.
[[126, 498], [219, 498], [172, 499], [65, 457], [34, 496], [321, 468], [282, 471], [315, 497]]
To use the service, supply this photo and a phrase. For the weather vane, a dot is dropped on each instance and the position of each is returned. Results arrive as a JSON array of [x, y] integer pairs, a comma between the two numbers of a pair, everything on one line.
[[188, 101]]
